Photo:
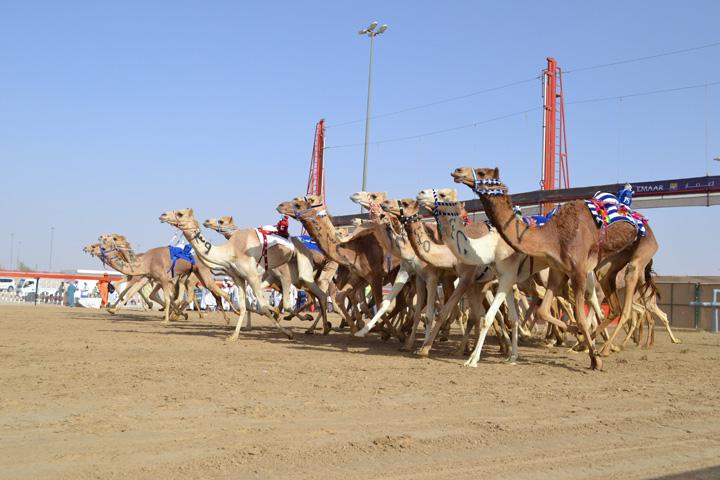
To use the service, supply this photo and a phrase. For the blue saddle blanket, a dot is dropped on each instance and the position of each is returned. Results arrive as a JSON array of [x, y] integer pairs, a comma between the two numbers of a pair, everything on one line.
[[539, 220], [309, 242], [607, 209], [177, 253]]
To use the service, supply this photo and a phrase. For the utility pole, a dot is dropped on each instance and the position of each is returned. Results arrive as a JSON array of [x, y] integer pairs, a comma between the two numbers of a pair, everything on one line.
[[12, 247]]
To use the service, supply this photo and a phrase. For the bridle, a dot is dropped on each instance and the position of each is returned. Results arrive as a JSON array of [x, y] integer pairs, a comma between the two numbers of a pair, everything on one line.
[[480, 187], [405, 220]]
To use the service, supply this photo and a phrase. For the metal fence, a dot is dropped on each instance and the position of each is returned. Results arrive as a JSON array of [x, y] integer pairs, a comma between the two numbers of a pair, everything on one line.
[[690, 302]]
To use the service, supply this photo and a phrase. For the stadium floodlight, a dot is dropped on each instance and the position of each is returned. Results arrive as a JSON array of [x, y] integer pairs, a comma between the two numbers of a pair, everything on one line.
[[371, 33]]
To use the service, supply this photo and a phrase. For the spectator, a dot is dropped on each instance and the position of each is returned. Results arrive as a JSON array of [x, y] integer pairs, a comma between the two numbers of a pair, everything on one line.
[[72, 288]]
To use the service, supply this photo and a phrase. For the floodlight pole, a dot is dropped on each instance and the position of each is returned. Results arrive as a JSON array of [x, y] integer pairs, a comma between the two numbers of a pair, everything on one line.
[[52, 234], [367, 115]]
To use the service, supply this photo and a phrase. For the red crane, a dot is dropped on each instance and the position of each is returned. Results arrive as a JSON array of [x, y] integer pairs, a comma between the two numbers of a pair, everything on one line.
[[316, 179], [555, 171]]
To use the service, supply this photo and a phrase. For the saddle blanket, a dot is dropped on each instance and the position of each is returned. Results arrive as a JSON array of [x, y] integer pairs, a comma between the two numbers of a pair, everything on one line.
[[606, 209], [272, 237], [539, 220], [309, 242], [177, 253]]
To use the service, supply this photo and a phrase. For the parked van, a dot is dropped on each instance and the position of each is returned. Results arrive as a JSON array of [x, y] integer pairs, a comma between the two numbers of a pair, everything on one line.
[[7, 285]]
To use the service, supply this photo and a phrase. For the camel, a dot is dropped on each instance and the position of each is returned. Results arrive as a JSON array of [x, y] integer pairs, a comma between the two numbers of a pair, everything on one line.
[[570, 242], [240, 258], [362, 254], [425, 275], [429, 250], [184, 275], [488, 250], [305, 269]]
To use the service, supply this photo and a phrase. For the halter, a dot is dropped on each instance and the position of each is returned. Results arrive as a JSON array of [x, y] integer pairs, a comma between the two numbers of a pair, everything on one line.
[[404, 220], [221, 229], [436, 210], [484, 190], [300, 214], [104, 258]]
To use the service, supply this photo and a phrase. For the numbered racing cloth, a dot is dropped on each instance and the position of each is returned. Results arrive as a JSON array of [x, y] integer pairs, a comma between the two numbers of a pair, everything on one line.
[[607, 209], [177, 253]]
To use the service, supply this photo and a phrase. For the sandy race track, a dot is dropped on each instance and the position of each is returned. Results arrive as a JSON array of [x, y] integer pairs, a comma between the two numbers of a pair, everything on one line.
[[83, 396]]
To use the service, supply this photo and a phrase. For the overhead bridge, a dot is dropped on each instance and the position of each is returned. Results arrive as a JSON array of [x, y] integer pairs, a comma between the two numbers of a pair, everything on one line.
[[678, 192]]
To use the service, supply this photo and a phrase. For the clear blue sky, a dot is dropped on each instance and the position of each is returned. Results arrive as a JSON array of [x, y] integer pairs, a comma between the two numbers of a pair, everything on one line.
[[113, 112]]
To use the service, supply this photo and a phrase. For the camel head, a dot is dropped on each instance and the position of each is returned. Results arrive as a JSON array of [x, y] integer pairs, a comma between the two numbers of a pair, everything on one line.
[[93, 249], [222, 224], [428, 198], [183, 219], [407, 207], [480, 180], [299, 205], [367, 199], [114, 239]]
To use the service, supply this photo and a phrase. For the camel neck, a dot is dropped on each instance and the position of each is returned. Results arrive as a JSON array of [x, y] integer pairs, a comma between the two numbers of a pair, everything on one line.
[[511, 228], [394, 242], [427, 249], [121, 265], [327, 237]]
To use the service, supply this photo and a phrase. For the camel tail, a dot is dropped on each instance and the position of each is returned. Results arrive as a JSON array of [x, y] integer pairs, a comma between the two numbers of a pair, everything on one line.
[[649, 286]]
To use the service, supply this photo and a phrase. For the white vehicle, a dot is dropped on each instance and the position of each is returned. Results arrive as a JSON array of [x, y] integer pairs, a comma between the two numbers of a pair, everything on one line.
[[28, 287], [7, 285]]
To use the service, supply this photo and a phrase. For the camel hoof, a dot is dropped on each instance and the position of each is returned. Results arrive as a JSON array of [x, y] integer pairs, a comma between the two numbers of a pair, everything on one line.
[[232, 338], [288, 317], [309, 331], [327, 328], [511, 360], [422, 352], [308, 318], [361, 333], [615, 349], [677, 341], [470, 364], [596, 363]]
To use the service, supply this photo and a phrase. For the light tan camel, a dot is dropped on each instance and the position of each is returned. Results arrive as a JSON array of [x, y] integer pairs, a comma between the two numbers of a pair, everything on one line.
[[426, 277], [184, 275], [471, 280], [362, 254], [240, 258], [570, 242], [305, 269]]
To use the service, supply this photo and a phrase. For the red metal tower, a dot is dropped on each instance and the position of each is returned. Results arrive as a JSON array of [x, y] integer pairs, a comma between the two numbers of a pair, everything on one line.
[[555, 171], [316, 179]]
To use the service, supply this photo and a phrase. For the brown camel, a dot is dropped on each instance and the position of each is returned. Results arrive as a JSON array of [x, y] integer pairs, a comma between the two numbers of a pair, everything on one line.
[[362, 254], [570, 242]]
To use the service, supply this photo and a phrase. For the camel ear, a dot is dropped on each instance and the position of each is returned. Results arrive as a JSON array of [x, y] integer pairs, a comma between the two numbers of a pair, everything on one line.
[[496, 173], [230, 219]]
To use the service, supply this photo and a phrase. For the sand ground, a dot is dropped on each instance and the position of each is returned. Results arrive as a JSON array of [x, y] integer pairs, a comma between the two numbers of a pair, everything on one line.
[[83, 395]]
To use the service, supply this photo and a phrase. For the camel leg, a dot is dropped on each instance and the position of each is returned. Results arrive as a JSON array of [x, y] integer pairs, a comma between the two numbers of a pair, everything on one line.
[[129, 292], [555, 280], [402, 278], [485, 324], [322, 298], [466, 280], [241, 310], [265, 309], [421, 299], [579, 281], [632, 274], [657, 313], [476, 316], [167, 289]]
